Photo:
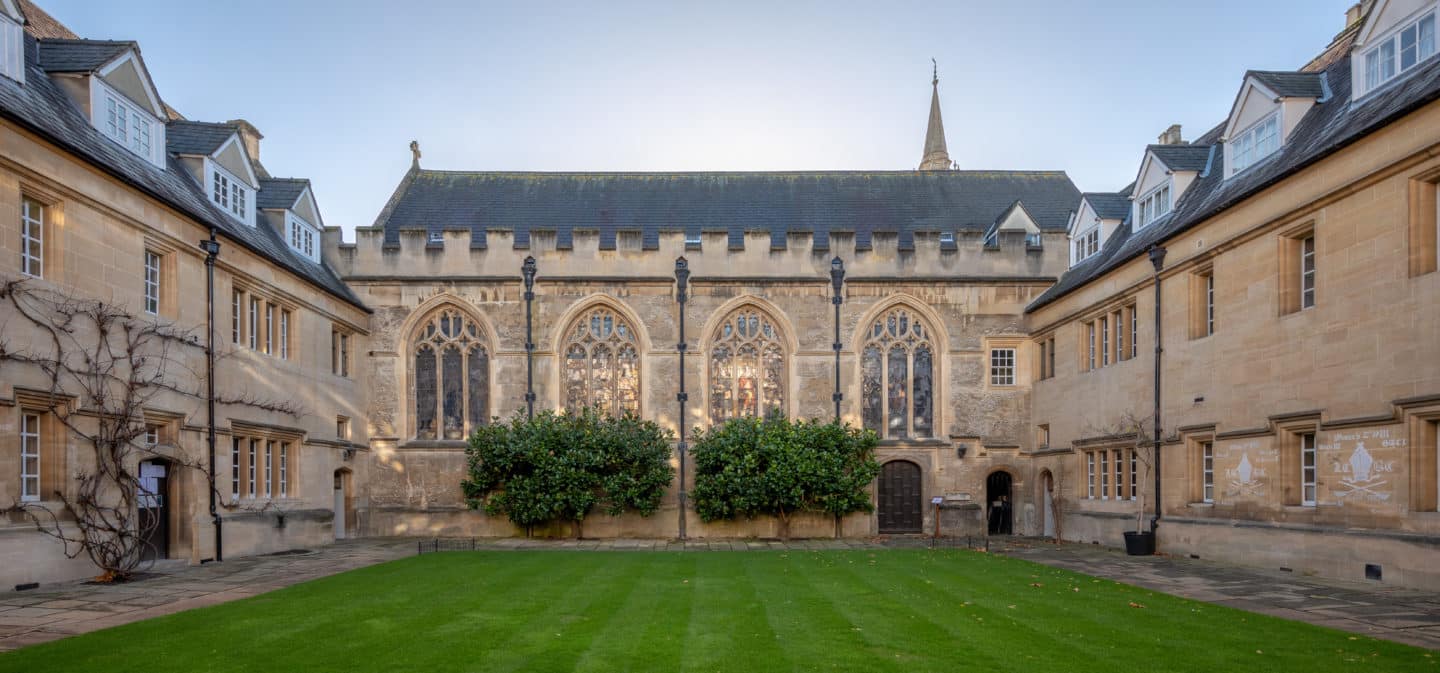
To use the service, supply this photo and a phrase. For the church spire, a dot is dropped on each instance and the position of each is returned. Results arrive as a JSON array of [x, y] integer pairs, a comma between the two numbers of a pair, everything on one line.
[[935, 157]]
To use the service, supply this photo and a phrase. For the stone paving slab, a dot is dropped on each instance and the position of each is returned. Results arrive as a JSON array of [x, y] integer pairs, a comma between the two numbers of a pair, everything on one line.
[[1403, 615], [1372, 609]]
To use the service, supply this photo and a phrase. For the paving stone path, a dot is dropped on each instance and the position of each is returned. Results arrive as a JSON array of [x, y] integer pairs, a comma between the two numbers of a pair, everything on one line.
[[60, 610]]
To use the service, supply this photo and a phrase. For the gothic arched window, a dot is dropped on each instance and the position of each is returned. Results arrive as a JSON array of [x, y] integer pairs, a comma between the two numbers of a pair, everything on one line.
[[452, 376], [897, 372], [602, 363], [747, 366]]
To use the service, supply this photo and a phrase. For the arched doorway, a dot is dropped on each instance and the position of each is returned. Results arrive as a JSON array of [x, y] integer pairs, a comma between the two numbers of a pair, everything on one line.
[[900, 498], [1047, 502], [1000, 502], [343, 521]]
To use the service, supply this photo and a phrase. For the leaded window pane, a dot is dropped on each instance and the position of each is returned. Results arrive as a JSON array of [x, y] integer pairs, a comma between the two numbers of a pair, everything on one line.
[[454, 386], [899, 355], [425, 380], [602, 364], [872, 371], [896, 392], [922, 395], [747, 366], [455, 391]]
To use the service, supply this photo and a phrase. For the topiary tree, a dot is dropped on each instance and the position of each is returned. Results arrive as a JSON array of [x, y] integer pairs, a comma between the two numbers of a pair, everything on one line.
[[560, 467], [752, 467]]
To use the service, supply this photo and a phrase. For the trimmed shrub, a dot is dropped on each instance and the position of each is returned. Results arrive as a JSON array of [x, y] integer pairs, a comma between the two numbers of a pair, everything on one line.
[[560, 467], [749, 467]]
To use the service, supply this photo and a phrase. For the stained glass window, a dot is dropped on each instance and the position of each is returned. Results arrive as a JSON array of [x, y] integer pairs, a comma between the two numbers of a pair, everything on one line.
[[452, 376], [747, 366], [897, 372], [602, 363]]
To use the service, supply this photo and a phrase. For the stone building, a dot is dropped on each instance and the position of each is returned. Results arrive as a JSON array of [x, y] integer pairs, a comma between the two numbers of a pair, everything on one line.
[[996, 328]]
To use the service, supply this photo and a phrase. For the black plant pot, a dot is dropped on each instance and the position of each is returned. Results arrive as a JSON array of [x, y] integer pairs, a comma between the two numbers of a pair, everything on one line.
[[1140, 544]]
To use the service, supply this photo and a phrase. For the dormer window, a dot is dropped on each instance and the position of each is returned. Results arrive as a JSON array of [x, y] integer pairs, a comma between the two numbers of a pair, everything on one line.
[[303, 238], [1255, 143], [1154, 204], [232, 195], [12, 49], [1087, 243], [127, 125], [1401, 51]]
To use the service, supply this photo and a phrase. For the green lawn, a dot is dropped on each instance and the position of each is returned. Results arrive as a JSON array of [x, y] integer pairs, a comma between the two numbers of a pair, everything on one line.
[[743, 612]]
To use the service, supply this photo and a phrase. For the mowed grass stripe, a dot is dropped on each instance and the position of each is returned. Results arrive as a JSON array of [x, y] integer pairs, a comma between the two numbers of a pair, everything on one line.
[[808, 624], [751, 612], [729, 630], [656, 613]]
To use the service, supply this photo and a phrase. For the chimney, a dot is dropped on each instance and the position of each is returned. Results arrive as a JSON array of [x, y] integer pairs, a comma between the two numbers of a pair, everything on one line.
[[1171, 136], [1357, 12], [249, 135]]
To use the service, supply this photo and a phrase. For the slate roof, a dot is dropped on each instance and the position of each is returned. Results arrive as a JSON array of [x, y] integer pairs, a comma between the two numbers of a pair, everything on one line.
[[819, 202], [1109, 205], [1189, 157], [1291, 84], [41, 106], [79, 55], [196, 138], [1327, 128], [280, 192]]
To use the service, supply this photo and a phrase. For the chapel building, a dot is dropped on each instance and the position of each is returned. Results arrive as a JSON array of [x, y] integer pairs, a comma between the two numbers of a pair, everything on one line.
[[997, 329]]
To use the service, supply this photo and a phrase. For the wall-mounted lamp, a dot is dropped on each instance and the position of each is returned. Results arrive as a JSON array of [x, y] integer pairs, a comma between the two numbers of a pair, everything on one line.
[[347, 453], [961, 450]]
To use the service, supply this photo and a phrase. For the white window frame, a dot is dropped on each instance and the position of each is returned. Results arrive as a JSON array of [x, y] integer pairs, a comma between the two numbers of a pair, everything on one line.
[[125, 123], [12, 49], [1134, 474], [237, 304], [1090, 327], [1104, 475], [1307, 272], [1118, 458], [1135, 331], [229, 193], [1207, 471], [29, 451], [32, 237], [235, 468], [1152, 207], [152, 282], [284, 469], [254, 450], [1309, 468], [1002, 366], [1090, 475], [1087, 243], [269, 328], [304, 237], [1103, 326], [254, 327], [1385, 61], [284, 333], [269, 462], [1255, 143], [1209, 303]]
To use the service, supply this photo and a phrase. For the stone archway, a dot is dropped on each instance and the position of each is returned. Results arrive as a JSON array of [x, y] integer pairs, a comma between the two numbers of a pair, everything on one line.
[[1000, 503]]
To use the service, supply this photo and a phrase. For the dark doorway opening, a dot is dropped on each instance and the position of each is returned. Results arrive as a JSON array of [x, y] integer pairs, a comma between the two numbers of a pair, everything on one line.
[[900, 498], [153, 502], [998, 496]]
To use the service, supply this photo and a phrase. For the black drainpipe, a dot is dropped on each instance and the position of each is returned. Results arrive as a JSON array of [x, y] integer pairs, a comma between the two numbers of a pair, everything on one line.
[[1157, 258], [212, 249]]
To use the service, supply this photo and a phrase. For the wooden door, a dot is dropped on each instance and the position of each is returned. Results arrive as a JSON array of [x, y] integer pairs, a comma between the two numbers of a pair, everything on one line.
[[900, 498]]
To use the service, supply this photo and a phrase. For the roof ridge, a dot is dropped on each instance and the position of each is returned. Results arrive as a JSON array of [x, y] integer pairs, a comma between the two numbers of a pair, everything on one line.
[[82, 40], [857, 171]]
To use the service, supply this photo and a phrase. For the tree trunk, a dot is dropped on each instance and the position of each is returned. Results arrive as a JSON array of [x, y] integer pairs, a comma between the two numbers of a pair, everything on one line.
[[575, 528], [838, 526], [784, 526]]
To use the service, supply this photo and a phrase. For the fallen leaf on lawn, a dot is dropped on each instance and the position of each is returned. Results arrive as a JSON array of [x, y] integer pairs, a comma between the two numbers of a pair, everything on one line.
[[1075, 589], [1133, 604], [1259, 652], [1036, 584], [1011, 607]]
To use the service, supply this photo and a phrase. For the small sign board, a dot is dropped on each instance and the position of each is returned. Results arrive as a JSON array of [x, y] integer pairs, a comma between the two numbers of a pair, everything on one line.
[[957, 496], [937, 500]]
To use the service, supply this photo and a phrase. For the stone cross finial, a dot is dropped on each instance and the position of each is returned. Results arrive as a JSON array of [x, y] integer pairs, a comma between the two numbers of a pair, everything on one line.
[[415, 152]]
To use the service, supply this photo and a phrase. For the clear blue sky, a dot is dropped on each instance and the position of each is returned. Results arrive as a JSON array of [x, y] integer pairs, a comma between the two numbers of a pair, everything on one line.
[[340, 88]]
